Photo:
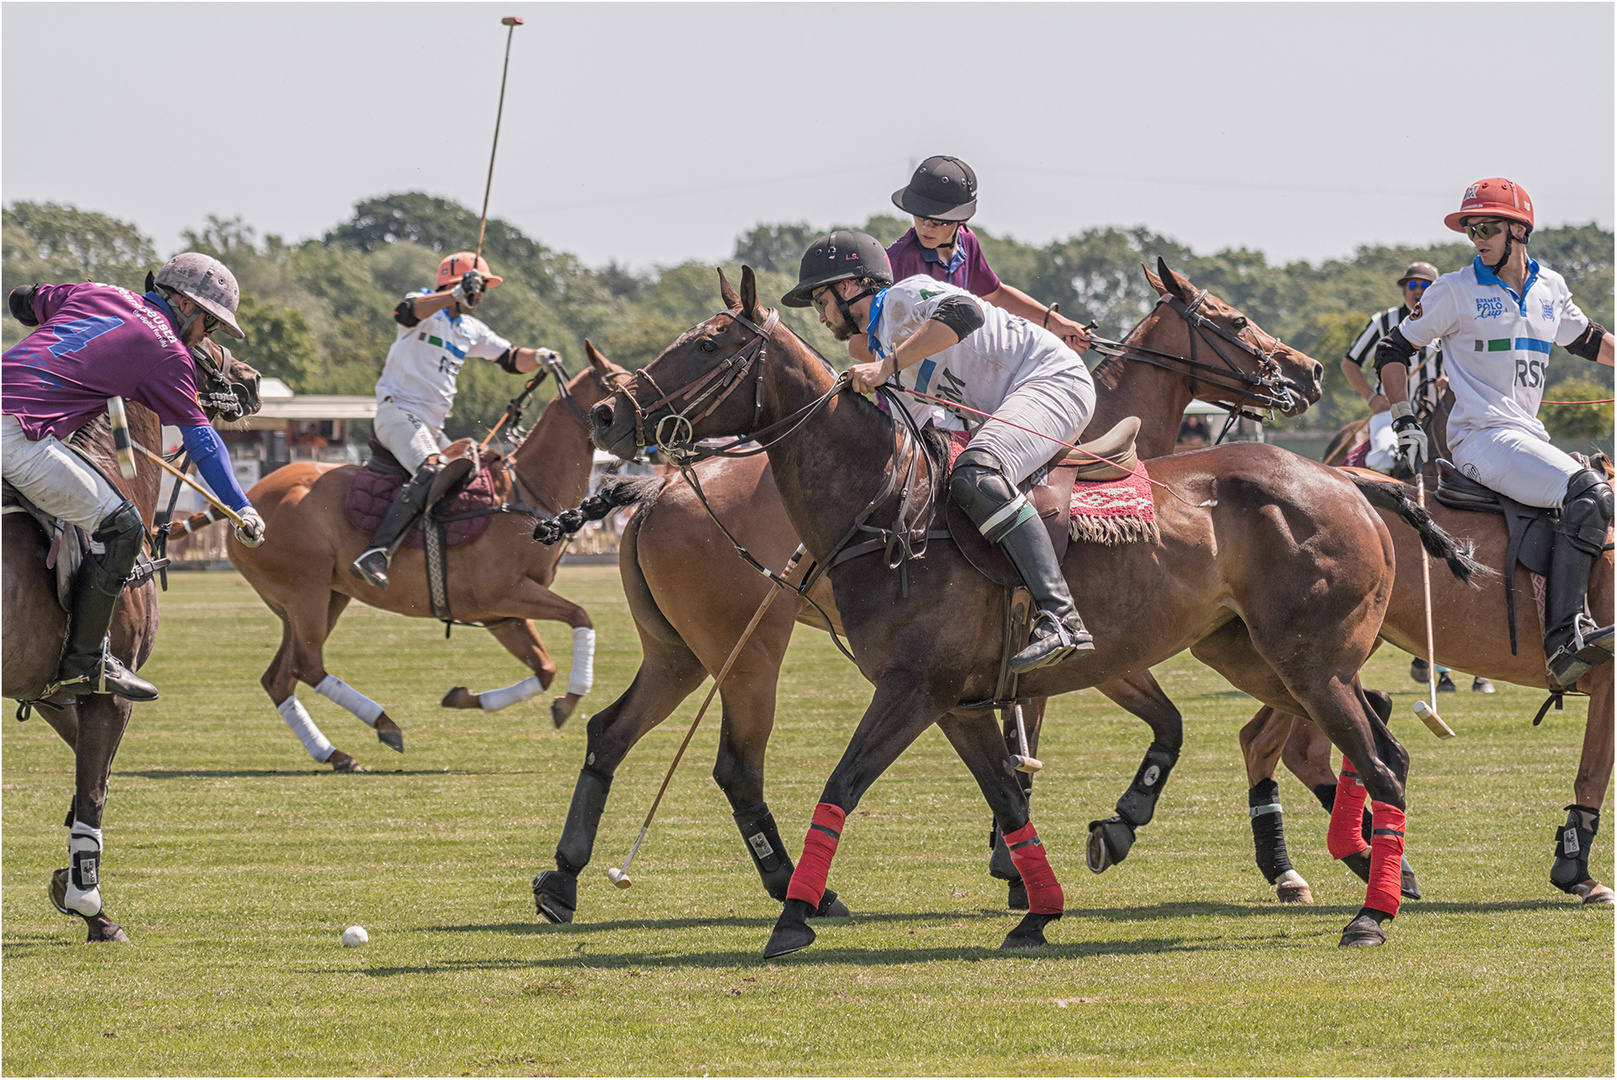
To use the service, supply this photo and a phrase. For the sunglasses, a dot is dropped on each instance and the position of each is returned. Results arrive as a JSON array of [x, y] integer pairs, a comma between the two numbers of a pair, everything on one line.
[[820, 300], [1417, 285], [935, 223], [1483, 230]]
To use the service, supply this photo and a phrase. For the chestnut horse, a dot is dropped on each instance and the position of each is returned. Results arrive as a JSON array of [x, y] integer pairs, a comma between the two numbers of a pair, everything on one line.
[[501, 579], [35, 626], [692, 598], [1259, 550]]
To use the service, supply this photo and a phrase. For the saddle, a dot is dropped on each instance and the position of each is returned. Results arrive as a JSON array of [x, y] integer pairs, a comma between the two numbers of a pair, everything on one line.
[[69, 543], [463, 512]]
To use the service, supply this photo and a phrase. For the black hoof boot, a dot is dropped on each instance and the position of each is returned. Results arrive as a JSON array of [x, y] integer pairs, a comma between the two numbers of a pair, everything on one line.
[[1029, 933], [1365, 930], [1408, 887], [1109, 843], [555, 895], [1016, 895], [792, 932], [1359, 863], [830, 907]]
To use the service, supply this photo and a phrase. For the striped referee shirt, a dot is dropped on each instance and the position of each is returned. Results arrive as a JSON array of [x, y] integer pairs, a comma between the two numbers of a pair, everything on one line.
[[1424, 367]]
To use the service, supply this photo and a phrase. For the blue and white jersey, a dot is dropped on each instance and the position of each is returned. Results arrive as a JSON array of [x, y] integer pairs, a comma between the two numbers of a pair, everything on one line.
[[1496, 344], [425, 358], [981, 370]]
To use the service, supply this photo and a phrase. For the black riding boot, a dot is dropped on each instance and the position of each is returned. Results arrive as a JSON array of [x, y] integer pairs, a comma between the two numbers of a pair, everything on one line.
[[426, 487], [87, 665], [1005, 517], [1572, 642]]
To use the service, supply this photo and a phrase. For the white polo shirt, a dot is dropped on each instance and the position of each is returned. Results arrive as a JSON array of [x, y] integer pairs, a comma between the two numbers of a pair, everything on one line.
[[1496, 344], [425, 358], [982, 369]]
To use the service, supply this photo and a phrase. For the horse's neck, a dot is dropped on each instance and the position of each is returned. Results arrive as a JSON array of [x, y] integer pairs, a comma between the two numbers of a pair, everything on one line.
[[1134, 388], [555, 457], [94, 441]]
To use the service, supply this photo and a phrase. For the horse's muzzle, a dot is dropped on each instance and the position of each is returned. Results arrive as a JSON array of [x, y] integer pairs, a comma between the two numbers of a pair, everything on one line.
[[613, 429]]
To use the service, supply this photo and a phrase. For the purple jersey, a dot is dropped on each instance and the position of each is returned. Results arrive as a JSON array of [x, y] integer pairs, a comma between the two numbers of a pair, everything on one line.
[[967, 268], [94, 342]]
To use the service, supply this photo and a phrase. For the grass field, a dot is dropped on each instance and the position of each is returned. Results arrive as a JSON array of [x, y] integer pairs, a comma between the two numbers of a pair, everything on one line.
[[234, 862]]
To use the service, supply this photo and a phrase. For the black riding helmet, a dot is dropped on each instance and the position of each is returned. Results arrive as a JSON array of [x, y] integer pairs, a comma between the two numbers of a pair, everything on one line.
[[841, 256], [943, 188]]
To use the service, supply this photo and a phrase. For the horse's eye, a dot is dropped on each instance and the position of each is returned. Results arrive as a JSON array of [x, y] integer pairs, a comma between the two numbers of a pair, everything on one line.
[[709, 345], [1240, 322]]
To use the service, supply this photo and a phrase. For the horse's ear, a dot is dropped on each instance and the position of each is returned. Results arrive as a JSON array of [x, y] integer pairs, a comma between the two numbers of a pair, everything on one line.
[[732, 299], [1156, 282], [593, 355], [749, 292], [1172, 282]]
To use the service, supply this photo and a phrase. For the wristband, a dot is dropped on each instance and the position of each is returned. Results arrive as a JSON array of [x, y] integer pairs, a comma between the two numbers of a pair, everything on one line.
[[1401, 409]]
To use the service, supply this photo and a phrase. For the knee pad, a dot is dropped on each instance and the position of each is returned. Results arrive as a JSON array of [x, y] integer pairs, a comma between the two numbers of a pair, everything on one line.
[[979, 485], [1572, 843], [1586, 511], [121, 533]]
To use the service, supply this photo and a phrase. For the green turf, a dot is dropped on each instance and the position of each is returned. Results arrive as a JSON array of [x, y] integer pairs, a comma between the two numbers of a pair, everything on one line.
[[234, 862]]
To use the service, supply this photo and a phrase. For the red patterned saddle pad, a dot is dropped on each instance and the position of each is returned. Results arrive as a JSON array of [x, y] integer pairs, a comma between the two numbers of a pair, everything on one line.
[[371, 493], [1357, 456], [1103, 511]]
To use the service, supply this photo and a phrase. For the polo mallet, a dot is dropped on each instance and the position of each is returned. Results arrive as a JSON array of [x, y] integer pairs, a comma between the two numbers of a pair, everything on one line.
[[230, 515], [513, 22], [619, 876], [1024, 762], [1428, 712], [121, 439]]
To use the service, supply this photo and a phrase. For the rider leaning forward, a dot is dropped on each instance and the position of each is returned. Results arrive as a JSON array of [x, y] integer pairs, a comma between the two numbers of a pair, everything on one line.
[[93, 342], [941, 340], [1497, 319], [417, 389]]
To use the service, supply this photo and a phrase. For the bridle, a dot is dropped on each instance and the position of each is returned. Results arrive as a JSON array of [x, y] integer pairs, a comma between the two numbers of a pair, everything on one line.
[[549, 365], [1267, 389]]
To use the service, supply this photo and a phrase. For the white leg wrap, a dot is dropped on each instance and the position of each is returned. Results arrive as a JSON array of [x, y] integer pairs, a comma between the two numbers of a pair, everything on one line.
[[84, 870], [302, 724], [340, 693], [582, 675], [495, 700]]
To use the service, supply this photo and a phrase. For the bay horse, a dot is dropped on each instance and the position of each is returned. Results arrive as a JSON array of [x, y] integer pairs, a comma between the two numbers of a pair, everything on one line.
[[1471, 634], [501, 579], [692, 597], [35, 624], [1272, 569]]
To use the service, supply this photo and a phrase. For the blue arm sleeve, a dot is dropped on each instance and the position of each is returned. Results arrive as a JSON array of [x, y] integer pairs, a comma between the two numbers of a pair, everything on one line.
[[213, 462]]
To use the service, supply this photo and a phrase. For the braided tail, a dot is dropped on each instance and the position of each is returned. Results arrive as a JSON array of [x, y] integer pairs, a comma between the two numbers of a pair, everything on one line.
[[1393, 496], [624, 491]]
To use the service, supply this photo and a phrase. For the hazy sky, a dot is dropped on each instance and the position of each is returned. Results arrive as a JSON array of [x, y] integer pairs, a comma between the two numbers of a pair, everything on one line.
[[654, 133]]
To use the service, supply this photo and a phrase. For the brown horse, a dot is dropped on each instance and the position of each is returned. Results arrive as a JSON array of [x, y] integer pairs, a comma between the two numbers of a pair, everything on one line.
[[501, 579], [1470, 633], [692, 597], [35, 625], [1259, 549]]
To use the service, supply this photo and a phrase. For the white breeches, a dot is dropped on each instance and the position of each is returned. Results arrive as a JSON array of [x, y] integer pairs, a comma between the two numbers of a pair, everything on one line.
[[1058, 405], [54, 477], [411, 439], [1383, 452], [1516, 463]]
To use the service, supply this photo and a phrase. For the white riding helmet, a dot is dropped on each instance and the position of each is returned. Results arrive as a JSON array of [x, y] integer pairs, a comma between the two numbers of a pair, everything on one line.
[[207, 282]]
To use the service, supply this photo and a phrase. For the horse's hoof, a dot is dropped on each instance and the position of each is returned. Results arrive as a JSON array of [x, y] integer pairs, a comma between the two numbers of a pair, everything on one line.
[[562, 708], [1109, 843], [1593, 893], [1359, 863], [830, 907], [1363, 931], [555, 896], [1029, 933], [341, 762], [1016, 895], [1292, 889], [57, 891], [1407, 885], [460, 697], [791, 931], [1095, 854], [390, 736], [105, 930]]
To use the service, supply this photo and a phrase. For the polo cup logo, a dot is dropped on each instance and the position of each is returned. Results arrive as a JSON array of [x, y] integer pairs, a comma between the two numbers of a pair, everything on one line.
[[1490, 307], [760, 845]]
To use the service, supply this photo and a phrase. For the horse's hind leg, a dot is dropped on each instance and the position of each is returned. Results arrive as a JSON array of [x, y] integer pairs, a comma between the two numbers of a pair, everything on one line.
[[521, 640], [1111, 838], [1262, 741], [340, 693], [102, 720], [295, 657], [666, 677], [1570, 872], [530, 600]]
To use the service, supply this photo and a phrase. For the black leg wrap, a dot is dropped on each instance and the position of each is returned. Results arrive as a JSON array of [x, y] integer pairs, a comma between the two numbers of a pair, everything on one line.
[[1268, 830], [763, 841], [1139, 803], [1000, 864], [1572, 843], [583, 819], [1326, 794]]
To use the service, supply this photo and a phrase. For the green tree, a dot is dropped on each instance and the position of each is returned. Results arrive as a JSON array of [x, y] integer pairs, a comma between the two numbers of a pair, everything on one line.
[[1578, 423]]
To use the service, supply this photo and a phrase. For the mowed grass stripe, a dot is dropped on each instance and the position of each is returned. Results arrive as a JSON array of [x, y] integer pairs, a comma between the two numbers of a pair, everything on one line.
[[235, 862]]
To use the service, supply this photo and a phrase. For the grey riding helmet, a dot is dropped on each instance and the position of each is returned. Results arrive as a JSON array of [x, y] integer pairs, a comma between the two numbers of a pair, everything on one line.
[[1419, 271], [943, 188], [207, 282], [840, 256]]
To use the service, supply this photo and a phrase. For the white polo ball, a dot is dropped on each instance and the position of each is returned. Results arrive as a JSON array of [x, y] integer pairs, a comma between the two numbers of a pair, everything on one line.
[[355, 935]]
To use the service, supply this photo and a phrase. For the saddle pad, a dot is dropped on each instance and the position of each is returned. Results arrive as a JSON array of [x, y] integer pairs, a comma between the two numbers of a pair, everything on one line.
[[370, 493], [1356, 456]]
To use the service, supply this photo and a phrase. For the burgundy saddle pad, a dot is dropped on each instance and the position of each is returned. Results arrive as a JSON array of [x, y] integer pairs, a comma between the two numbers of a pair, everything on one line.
[[371, 493]]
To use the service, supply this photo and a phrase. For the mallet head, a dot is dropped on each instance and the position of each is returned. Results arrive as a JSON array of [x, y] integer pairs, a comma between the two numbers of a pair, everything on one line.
[[1429, 717], [618, 878], [511, 20], [1027, 765]]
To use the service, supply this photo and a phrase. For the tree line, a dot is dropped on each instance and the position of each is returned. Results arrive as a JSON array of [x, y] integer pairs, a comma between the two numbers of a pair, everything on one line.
[[318, 313]]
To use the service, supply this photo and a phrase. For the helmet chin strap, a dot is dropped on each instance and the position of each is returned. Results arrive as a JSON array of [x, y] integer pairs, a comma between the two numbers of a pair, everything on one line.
[[846, 307], [1505, 258], [185, 320]]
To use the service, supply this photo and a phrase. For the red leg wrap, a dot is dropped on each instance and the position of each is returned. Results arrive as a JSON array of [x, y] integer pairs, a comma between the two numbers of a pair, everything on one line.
[[1386, 857], [1346, 836], [808, 879], [1043, 890]]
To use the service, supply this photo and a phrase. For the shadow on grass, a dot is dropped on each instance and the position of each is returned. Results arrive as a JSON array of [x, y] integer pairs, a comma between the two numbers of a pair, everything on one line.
[[264, 774]]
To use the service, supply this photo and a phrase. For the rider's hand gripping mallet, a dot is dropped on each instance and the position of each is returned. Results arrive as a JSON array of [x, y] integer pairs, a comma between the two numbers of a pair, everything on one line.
[[230, 515], [619, 876], [121, 439], [1428, 712]]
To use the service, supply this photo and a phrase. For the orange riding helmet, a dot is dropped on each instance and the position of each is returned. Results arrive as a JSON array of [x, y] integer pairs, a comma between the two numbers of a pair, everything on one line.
[[1494, 197], [452, 268]]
